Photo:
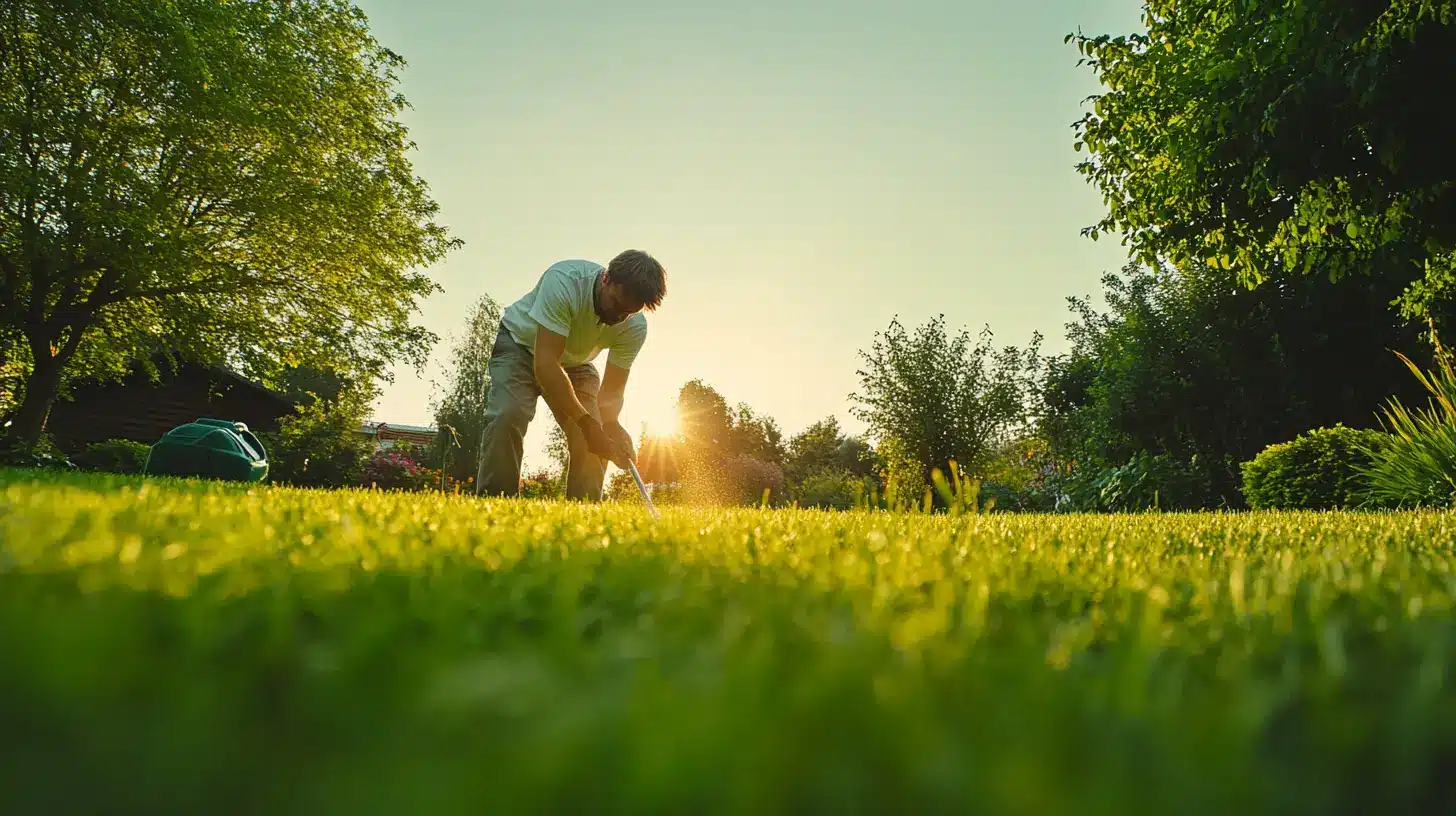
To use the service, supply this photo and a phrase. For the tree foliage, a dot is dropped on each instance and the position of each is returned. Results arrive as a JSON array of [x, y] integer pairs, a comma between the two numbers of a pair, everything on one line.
[[757, 436], [823, 460], [1196, 367], [943, 399], [459, 402], [1263, 135], [320, 444], [224, 180], [721, 455]]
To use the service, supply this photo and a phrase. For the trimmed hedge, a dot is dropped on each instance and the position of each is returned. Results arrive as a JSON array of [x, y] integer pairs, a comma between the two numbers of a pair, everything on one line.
[[1320, 469], [113, 456]]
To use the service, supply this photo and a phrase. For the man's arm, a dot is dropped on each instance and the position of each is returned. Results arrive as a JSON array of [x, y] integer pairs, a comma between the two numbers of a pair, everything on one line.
[[613, 395], [551, 376], [614, 391], [561, 398]]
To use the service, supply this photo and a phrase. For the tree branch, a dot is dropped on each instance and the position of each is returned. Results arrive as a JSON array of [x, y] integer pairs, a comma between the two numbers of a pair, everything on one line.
[[73, 342]]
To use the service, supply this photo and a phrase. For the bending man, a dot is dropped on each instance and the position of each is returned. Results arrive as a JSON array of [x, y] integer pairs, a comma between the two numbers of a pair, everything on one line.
[[545, 348]]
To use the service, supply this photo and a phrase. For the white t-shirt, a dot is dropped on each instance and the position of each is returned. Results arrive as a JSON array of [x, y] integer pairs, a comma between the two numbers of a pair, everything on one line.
[[563, 302]]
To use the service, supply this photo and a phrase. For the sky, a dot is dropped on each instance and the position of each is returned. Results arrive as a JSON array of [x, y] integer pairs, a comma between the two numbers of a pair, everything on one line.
[[806, 172]]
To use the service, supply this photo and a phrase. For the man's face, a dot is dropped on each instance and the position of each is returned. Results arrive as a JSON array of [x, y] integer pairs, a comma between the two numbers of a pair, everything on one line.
[[614, 304]]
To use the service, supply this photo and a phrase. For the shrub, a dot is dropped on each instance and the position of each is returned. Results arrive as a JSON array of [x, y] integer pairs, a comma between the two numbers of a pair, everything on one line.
[[114, 456], [1021, 477], [830, 489], [319, 446], [662, 494], [542, 484], [711, 480], [623, 488], [903, 476], [392, 469], [754, 476], [1144, 482], [1416, 466], [1320, 469], [1020, 498], [41, 454]]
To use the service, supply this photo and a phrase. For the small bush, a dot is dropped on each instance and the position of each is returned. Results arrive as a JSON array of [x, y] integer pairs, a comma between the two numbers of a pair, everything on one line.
[[663, 494], [1022, 477], [754, 476], [1318, 470], [830, 489], [393, 469], [318, 446], [1144, 482], [623, 488], [1017, 498], [114, 456], [40, 454], [543, 484]]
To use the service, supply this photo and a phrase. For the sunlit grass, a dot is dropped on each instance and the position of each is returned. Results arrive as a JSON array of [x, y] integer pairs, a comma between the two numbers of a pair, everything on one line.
[[182, 647]]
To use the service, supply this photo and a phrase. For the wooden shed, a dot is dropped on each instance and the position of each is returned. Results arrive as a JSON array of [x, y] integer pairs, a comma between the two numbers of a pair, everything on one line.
[[141, 409]]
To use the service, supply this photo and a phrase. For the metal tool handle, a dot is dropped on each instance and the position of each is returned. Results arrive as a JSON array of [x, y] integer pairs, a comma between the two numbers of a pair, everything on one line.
[[642, 488]]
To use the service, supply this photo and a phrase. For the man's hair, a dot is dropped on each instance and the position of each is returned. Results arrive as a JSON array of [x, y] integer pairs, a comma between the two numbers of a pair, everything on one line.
[[641, 274]]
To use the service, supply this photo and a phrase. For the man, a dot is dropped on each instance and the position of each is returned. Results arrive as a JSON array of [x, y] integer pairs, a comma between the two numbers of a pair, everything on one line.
[[546, 343]]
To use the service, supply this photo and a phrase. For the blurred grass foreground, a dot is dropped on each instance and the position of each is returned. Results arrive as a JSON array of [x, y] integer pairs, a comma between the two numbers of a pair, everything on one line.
[[179, 647]]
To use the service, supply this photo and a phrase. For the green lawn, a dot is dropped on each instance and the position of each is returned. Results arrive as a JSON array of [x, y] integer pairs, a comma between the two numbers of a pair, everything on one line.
[[170, 647]]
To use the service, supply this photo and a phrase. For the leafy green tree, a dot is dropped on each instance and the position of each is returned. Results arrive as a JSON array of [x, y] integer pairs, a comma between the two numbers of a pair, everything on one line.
[[1189, 366], [823, 448], [306, 383], [943, 399], [224, 180], [721, 455], [459, 403], [657, 459], [758, 436], [1265, 135], [705, 420]]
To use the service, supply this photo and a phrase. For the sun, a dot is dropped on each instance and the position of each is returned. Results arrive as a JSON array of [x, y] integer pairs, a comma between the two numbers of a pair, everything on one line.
[[663, 422]]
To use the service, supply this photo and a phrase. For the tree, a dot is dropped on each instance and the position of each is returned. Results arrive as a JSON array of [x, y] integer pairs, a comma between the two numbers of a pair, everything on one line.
[[459, 403], [1256, 136], [305, 383], [657, 460], [824, 445], [1197, 367], [940, 398], [822, 448], [706, 423], [226, 181], [814, 449], [720, 455], [757, 436]]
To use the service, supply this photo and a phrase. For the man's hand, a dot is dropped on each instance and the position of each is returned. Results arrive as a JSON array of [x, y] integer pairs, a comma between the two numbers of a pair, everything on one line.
[[599, 443], [618, 434]]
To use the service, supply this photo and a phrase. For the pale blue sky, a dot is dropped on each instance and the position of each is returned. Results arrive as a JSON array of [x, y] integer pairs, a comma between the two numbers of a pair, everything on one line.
[[804, 171]]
